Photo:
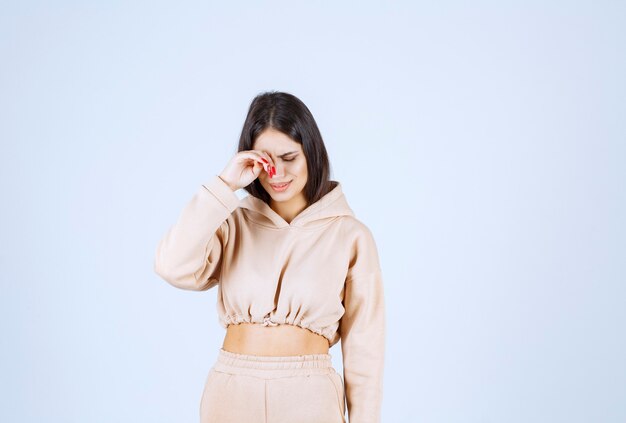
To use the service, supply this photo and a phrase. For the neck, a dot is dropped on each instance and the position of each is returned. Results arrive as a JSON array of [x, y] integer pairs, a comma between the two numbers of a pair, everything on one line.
[[288, 210]]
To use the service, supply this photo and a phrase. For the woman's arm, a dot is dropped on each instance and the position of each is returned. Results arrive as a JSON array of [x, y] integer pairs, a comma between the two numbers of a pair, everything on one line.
[[362, 329], [189, 255]]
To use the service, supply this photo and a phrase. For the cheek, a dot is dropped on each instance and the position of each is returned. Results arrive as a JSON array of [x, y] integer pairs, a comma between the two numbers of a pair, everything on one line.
[[300, 168]]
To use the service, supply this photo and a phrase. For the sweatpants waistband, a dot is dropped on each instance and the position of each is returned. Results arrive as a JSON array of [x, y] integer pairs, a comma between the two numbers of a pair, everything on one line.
[[273, 366]]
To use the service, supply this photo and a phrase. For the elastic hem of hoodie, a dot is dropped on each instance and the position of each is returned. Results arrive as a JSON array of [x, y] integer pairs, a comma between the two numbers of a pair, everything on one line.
[[235, 319], [270, 367]]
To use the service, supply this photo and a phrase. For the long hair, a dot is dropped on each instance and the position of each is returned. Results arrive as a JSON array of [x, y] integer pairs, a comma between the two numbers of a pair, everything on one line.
[[286, 113]]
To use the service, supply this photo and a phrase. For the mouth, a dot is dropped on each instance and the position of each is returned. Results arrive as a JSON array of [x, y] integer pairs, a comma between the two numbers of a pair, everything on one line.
[[280, 187]]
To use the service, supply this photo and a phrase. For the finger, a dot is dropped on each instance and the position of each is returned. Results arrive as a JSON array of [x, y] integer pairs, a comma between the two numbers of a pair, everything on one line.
[[256, 168], [271, 163], [267, 159], [257, 158]]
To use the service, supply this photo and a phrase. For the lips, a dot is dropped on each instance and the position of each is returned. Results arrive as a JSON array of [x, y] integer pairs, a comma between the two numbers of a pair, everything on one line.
[[280, 187]]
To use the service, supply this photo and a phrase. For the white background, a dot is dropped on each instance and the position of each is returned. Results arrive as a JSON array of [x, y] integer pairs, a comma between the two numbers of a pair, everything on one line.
[[484, 144]]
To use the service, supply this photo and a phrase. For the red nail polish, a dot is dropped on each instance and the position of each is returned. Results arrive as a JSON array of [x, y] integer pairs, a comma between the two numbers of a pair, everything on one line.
[[264, 160]]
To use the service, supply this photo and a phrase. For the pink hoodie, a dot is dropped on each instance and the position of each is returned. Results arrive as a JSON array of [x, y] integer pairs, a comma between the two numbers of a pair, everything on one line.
[[321, 272]]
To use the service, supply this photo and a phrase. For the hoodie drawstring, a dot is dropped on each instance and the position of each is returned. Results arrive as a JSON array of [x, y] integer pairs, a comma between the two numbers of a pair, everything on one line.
[[268, 322]]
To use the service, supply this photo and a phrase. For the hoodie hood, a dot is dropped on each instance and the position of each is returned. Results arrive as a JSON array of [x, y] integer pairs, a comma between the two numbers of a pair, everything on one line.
[[331, 205]]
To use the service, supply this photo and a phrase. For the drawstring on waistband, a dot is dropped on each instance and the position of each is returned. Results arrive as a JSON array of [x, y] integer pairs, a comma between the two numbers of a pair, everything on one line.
[[268, 322]]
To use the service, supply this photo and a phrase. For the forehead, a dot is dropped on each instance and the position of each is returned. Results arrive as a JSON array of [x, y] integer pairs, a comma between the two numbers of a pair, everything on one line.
[[276, 142]]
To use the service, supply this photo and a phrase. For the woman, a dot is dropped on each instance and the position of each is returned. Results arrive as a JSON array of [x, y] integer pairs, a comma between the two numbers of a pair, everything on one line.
[[296, 272]]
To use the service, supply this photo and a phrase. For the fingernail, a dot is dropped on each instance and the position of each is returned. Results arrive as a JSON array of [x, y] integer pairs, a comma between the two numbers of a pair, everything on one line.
[[264, 160]]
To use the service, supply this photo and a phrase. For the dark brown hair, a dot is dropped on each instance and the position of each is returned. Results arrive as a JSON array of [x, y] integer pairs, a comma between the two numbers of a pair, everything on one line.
[[286, 113]]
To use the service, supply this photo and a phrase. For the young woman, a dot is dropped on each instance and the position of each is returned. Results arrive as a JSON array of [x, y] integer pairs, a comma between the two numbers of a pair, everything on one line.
[[296, 273]]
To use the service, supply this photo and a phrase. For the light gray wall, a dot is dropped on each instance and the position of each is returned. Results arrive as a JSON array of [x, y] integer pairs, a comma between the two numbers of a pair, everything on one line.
[[482, 142]]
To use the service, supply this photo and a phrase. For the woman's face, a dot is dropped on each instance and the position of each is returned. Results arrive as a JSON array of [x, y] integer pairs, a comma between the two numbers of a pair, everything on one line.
[[290, 165]]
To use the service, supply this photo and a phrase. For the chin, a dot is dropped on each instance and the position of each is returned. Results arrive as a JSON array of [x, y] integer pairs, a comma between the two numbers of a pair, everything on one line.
[[280, 198]]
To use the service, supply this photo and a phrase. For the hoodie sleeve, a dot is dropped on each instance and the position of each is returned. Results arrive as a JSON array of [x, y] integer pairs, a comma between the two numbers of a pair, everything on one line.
[[362, 330], [189, 254]]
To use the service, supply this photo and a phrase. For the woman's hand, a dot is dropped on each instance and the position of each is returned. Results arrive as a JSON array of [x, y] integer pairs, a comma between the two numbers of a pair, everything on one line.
[[245, 167]]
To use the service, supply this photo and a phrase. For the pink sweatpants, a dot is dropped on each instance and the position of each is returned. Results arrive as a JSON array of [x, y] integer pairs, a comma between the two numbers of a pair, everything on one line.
[[244, 388]]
